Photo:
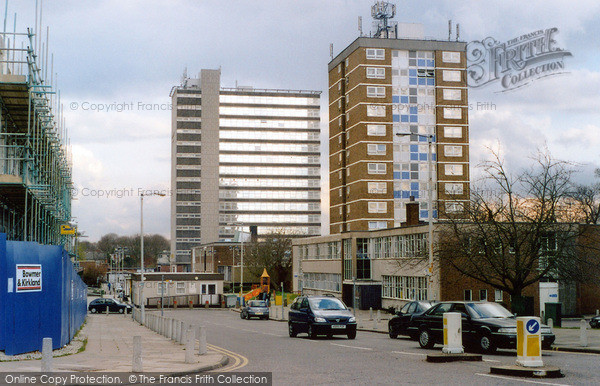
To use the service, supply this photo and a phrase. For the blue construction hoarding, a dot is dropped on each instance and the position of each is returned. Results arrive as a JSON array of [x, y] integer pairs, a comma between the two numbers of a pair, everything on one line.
[[41, 296]]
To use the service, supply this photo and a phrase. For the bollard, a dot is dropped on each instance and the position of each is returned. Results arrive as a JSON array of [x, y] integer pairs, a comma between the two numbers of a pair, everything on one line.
[[550, 323], [374, 324], [452, 333], [583, 339], [597, 312], [174, 303], [206, 304], [201, 336], [378, 316], [137, 366], [189, 346], [181, 335], [370, 313], [168, 328], [529, 342], [173, 329], [191, 304], [46, 355], [106, 310]]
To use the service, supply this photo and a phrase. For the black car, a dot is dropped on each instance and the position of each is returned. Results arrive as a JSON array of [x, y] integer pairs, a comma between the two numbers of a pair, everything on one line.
[[255, 309], [99, 305], [399, 324], [486, 326], [321, 315], [595, 322]]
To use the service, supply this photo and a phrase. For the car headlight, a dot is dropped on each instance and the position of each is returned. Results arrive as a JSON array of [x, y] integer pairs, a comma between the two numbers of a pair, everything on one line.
[[319, 319], [352, 319], [507, 330]]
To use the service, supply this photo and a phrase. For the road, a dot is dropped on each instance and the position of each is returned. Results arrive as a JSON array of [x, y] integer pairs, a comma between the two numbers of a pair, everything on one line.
[[372, 358]]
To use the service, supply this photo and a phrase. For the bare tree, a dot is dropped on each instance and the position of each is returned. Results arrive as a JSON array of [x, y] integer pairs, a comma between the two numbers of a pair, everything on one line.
[[273, 252], [518, 229], [588, 197]]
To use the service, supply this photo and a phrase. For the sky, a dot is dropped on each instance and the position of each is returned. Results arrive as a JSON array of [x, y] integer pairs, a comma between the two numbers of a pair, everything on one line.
[[118, 60]]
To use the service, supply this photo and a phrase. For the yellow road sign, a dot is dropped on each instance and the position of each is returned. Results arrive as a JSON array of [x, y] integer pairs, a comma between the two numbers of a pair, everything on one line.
[[66, 229]]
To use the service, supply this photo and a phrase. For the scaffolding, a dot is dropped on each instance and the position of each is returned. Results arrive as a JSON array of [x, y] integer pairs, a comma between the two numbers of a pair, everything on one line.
[[35, 161]]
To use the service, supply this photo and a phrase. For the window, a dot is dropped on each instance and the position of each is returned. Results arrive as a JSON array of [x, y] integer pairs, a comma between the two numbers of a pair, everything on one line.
[[375, 73], [452, 113], [375, 92], [377, 207], [453, 169], [377, 225], [483, 294], [451, 76], [450, 57], [498, 295], [376, 130], [452, 132], [453, 207], [453, 151], [212, 289], [180, 288], [453, 188], [375, 53], [404, 287], [375, 149], [468, 295], [377, 168], [377, 187], [375, 111], [452, 94]]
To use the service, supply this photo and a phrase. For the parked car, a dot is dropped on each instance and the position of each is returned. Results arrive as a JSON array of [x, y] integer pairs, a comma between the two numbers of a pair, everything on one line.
[[399, 323], [321, 315], [486, 326], [595, 322], [99, 305], [255, 309]]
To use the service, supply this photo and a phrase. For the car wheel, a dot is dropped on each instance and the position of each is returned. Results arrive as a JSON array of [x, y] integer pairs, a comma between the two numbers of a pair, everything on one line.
[[292, 330], [485, 344], [391, 332], [93, 310], [121, 310], [312, 334], [352, 335], [241, 315], [425, 339]]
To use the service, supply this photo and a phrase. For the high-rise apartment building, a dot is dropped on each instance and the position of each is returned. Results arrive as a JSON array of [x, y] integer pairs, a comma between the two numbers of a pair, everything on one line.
[[242, 157], [389, 98]]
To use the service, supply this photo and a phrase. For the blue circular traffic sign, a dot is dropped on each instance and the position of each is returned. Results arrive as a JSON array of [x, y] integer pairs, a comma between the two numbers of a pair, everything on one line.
[[532, 326]]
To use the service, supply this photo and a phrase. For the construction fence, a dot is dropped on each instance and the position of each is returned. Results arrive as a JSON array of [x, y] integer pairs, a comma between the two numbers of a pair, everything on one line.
[[41, 296]]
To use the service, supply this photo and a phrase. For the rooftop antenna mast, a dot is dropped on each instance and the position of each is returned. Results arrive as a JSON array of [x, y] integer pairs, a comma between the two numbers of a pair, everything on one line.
[[382, 11], [360, 31]]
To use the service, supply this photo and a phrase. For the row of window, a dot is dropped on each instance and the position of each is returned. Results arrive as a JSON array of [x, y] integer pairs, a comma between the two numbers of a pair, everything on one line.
[[268, 171], [270, 112], [320, 251], [267, 100], [322, 281], [268, 123], [449, 169], [270, 218], [271, 159], [182, 288], [269, 147], [270, 206], [270, 194], [271, 182], [404, 287], [270, 135], [392, 247], [483, 295]]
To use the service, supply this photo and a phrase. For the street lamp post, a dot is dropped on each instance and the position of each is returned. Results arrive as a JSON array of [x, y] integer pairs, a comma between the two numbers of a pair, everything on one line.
[[431, 294], [143, 308]]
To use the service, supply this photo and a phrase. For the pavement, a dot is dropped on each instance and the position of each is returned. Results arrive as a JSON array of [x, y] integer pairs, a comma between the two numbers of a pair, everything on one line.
[[568, 338], [110, 348]]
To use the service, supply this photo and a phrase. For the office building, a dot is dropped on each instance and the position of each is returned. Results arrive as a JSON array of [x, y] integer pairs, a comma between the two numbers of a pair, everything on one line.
[[242, 157], [389, 96]]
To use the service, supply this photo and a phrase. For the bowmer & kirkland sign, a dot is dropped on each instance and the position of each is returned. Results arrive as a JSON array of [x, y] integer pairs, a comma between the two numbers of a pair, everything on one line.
[[29, 277]]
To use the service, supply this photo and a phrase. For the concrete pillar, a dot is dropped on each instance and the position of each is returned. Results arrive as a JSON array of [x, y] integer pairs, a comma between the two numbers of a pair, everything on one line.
[[181, 333], [189, 346], [173, 329], [371, 313], [201, 336], [47, 355], [550, 323], [583, 339], [137, 366]]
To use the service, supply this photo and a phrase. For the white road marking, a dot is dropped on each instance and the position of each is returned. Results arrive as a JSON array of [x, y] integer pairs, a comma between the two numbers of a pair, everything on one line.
[[407, 353], [520, 380], [491, 360], [356, 347]]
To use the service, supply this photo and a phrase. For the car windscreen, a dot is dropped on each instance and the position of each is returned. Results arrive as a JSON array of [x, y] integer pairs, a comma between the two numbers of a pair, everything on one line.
[[488, 310], [326, 304], [257, 303]]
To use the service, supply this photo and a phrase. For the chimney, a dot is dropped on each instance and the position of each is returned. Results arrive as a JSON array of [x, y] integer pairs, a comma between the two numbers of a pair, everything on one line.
[[253, 233], [412, 212]]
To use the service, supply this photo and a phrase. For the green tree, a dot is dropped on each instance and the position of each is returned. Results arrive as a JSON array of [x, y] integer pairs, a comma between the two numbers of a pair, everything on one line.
[[273, 252]]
